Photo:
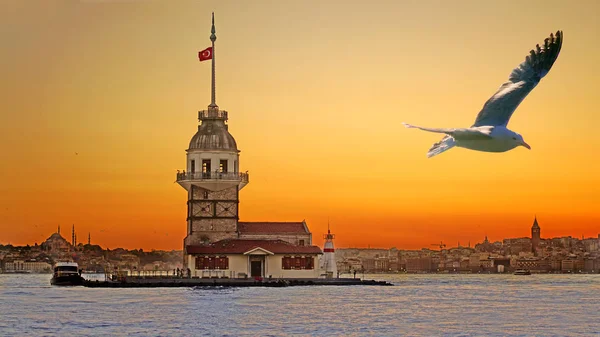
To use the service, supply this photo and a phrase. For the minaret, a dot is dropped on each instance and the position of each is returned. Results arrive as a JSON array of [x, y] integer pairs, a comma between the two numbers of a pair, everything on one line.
[[89, 238], [58, 229], [535, 235], [329, 254], [73, 236], [212, 178]]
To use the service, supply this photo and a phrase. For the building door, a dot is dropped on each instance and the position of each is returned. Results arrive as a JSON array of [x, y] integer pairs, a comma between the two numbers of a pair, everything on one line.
[[256, 268]]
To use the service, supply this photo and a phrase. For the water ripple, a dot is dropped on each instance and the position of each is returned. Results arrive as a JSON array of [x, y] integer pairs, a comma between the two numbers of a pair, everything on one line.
[[419, 305]]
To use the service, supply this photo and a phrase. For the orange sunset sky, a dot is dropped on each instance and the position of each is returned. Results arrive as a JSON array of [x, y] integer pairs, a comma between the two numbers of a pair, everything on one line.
[[99, 100]]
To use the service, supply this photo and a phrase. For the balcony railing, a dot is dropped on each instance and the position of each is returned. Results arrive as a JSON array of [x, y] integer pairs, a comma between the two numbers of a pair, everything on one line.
[[244, 177], [212, 114]]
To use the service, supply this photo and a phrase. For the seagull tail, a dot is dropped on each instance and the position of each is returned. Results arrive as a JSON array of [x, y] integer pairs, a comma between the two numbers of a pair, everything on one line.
[[442, 146]]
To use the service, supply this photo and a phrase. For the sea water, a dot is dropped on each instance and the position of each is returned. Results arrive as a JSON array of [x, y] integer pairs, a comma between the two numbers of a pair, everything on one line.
[[417, 305]]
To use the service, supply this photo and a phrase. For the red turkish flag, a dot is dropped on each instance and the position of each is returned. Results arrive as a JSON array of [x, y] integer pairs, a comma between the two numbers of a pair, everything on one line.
[[206, 54]]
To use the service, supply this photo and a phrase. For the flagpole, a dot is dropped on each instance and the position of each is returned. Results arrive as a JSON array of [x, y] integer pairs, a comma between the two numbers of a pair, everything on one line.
[[213, 37]]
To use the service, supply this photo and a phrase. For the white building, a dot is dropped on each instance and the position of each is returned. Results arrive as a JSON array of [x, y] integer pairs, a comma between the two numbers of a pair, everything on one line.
[[253, 258], [27, 266]]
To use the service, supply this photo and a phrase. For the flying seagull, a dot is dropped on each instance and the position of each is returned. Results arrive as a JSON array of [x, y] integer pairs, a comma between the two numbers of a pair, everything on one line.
[[489, 133]]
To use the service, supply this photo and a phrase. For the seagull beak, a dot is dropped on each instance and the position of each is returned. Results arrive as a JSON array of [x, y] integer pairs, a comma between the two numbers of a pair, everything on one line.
[[526, 145]]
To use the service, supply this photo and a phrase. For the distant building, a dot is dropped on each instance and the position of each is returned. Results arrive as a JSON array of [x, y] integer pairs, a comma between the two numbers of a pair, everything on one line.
[[534, 265], [501, 261], [479, 261], [535, 236], [485, 246], [382, 264], [348, 265], [27, 266], [591, 245], [419, 265], [129, 261], [589, 265], [555, 265], [376, 265], [368, 265], [56, 243], [568, 266], [517, 245]]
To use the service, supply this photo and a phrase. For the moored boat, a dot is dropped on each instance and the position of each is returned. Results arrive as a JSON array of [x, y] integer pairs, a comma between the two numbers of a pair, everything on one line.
[[66, 274], [522, 272]]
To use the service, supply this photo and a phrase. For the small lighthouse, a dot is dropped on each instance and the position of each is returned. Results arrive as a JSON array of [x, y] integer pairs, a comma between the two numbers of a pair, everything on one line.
[[329, 254]]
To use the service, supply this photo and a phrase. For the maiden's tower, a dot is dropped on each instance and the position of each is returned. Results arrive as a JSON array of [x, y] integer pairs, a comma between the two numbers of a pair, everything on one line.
[[217, 243]]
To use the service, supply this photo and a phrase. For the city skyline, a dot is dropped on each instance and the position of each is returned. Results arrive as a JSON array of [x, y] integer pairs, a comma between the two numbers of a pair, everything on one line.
[[71, 237], [102, 100], [537, 255]]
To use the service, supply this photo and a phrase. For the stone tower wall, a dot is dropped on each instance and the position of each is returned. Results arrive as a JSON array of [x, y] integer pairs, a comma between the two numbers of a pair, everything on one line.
[[212, 215]]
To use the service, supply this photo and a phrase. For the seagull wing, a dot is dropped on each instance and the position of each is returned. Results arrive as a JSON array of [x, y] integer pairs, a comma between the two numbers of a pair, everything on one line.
[[461, 134], [500, 107]]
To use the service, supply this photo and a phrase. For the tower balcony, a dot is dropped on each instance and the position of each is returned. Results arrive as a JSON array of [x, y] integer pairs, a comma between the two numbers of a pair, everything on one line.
[[212, 114], [214, 181]]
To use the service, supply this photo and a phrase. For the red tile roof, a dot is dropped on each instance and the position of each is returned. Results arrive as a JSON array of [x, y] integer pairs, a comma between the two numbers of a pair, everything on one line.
[[238, 246], [273, 227]]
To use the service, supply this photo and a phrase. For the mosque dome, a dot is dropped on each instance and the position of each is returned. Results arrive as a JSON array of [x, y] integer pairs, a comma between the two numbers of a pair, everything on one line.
[[213, 135], [56, 236]]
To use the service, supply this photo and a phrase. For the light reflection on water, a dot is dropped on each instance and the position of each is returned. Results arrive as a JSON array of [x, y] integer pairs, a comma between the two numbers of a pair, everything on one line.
[[419, 305]]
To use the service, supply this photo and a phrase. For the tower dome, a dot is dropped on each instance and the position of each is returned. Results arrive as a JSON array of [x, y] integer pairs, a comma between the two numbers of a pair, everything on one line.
[[213, 135]]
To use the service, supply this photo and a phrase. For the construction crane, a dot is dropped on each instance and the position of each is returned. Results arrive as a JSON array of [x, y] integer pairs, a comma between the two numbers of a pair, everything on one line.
[[441, 245]]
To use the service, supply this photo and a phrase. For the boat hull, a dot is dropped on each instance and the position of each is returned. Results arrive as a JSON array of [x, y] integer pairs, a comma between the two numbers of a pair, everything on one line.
[[67, 280]]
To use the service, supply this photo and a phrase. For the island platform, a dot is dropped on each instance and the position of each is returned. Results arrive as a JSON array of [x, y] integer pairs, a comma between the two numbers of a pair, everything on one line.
[[156, 282]]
